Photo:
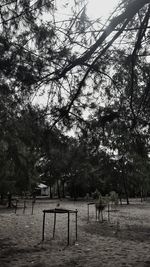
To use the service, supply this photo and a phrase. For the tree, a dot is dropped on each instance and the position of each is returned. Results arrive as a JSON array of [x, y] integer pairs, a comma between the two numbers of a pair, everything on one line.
[[20, 141], [54, 60], [76, 70]]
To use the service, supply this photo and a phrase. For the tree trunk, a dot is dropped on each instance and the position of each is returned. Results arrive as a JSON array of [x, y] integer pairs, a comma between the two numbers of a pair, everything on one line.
[[58, 189], [63, 189], [141, 193], [9, 200], [125, 188], [2, 198], [120, 198], [51, 195], [125, 183], [74, 192]]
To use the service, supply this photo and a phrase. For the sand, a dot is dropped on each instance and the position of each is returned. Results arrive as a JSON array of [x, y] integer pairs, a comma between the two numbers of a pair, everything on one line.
[[124, 240]]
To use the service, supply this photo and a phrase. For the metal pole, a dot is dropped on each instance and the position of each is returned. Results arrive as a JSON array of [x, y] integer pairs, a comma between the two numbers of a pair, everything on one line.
[[16, 206], [32, 206], [24, 206], [88, 211], [96, 211], [68, 226], [43, 226], [76, 223], [108, 213], [54, 224]]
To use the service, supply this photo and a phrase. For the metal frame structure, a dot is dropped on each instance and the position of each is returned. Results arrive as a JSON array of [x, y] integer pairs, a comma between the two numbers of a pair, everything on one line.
[[60, 211]]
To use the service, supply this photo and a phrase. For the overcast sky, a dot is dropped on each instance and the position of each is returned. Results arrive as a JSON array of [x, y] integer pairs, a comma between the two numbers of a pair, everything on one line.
[[95, 8], [101, 8]]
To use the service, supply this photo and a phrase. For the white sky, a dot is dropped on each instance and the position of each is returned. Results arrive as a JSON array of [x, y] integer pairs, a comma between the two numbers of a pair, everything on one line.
[[101, 8], [95, 8]]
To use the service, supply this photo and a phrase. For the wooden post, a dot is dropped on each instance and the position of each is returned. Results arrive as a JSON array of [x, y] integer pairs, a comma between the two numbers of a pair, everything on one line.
[[76, 223], [68, 226], [43, 226], [54, 224]]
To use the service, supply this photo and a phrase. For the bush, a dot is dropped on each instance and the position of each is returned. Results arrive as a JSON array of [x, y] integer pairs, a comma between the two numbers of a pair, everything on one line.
[[96, 194], [113, 197]]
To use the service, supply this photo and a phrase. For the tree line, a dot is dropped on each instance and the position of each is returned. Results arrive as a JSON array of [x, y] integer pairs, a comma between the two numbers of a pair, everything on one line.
[[96, 82]]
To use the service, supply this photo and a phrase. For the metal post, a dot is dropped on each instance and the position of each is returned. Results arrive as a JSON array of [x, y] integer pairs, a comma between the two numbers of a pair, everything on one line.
[[88, 211], [96, 211], [16, 206], [108, 213], [101, 215], [54, 224], [32, 206], [76, 223], [24, 206], [68, 226], [43, 226]]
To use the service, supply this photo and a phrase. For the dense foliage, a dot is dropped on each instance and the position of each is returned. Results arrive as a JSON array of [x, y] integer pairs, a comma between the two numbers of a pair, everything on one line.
[[74, 74]]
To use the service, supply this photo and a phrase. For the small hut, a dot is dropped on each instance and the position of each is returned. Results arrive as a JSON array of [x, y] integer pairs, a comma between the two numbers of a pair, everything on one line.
[[42, 190]]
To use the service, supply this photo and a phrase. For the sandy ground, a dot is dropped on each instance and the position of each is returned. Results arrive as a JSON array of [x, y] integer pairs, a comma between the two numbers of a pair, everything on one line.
[[122, 241]]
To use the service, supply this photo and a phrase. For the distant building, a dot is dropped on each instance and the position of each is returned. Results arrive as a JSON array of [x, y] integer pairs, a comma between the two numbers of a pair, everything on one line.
[[42, 190]]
